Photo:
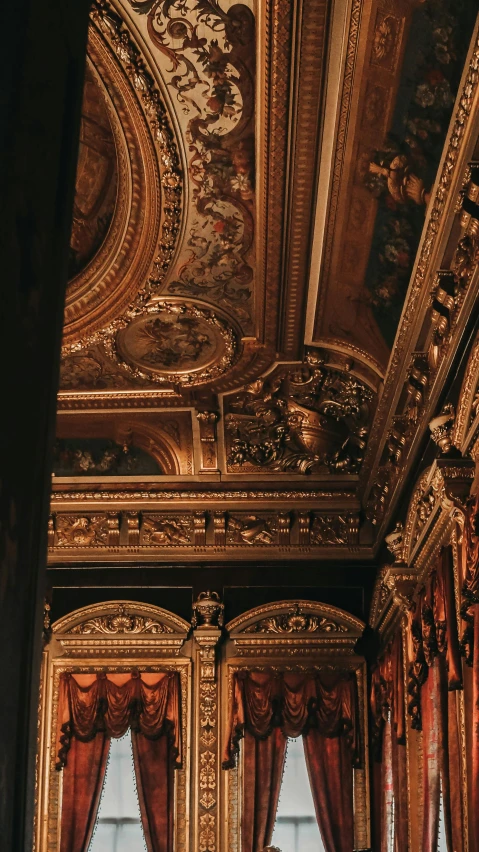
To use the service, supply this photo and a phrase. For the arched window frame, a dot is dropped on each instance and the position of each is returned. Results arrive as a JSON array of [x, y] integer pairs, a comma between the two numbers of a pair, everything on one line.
[[264, 638], [115, 636]]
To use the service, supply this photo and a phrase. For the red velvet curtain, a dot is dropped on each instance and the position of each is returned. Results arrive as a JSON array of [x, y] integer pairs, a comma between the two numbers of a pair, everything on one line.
[[470, 645], [95, 707], [266, 708], [82, 786], [434, 676], [330, 774], [263, 763], [388, 743]]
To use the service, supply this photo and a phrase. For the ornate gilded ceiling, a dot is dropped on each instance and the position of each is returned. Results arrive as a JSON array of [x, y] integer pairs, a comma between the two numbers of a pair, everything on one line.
[[253, 183]]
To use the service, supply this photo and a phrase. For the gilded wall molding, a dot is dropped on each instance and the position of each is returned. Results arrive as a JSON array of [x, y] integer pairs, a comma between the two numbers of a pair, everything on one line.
[[88, 533], [207, 621], [162, 192]]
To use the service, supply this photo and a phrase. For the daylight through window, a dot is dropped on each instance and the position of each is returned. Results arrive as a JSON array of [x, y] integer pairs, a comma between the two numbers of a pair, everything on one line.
[[118, 826], [296, 828]]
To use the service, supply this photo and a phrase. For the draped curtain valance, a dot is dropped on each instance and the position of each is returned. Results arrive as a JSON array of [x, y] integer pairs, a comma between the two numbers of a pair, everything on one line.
[[470, 644], [148, 703], [295, 703], [388, 741], [95, 707]]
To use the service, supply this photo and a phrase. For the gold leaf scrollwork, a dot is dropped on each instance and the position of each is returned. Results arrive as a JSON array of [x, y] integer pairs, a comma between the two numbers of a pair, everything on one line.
[[296, 621], [120, 622]]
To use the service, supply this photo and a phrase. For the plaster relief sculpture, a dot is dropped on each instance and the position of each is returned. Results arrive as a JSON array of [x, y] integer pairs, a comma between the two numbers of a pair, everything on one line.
[[305, 419], [82, 531], [176, 342], [122, 621], [250, 529], [162, 531], [296, 621]]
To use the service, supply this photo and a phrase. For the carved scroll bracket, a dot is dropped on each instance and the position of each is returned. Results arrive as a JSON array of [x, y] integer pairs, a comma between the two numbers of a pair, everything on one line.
[[208, 441], [207, 621]]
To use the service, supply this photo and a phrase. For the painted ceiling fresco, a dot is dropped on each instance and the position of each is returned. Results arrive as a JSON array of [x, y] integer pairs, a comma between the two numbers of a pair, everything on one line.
[[414, 59], [402, 172], [100, 457], [207, 55]]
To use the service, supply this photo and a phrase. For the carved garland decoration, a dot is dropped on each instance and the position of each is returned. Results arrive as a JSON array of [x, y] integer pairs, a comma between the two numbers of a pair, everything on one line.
[[296, 621], [304, 419], [122, 621]]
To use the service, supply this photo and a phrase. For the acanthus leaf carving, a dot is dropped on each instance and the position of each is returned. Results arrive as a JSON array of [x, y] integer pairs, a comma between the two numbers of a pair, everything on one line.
[[304, 419], [296, 621], [121, 621]]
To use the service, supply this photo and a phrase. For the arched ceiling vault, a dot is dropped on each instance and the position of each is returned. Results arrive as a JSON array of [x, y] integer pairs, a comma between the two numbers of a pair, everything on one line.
[[266, 200]]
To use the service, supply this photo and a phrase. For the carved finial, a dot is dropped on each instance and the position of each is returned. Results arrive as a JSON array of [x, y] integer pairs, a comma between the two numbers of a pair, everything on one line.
[[441, 428], [208, 611], [395, 542]]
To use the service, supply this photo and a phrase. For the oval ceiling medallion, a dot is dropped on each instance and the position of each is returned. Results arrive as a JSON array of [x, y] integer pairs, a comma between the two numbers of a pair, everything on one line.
[[127, 207], [177, 342]]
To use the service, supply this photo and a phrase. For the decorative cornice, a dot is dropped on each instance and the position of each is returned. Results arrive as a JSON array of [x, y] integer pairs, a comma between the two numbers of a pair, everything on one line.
[[416, 375], [466, 426], [73, 535]]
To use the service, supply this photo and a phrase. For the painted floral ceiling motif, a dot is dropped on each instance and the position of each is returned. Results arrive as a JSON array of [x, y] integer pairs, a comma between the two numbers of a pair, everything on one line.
[[207, 55]]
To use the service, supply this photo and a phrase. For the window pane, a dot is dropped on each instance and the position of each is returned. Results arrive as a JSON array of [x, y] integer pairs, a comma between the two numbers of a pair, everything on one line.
[[118, 826], [296, 829]]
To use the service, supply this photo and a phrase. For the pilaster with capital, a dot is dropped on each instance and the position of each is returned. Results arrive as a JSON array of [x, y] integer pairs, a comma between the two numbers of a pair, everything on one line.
[[208, 441], [207, 622]]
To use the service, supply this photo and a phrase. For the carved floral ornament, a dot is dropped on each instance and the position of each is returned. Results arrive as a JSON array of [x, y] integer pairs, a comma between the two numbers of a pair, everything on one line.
[[122, 621], [128, 618], [120, 618], [304, 418], [296, 620], [290, 618]]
